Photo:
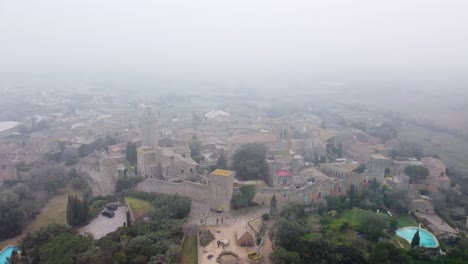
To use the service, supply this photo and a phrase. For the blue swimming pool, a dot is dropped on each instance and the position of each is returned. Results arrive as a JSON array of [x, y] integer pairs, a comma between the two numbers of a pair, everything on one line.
[[427, 239], [6, 253]]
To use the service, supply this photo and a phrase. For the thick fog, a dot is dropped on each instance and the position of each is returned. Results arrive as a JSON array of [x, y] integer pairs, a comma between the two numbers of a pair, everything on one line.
[[242, 43]]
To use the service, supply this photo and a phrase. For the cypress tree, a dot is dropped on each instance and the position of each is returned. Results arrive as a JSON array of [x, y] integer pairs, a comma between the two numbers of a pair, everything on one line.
[[273, 204], [415, 240], [129, 220], [69, 212]]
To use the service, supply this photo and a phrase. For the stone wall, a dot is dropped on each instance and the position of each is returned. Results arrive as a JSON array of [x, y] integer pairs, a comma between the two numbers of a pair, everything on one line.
[[195, 191], [308, 194]]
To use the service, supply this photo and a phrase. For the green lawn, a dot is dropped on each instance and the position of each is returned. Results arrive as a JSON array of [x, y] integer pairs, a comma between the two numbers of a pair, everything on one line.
[[356, 216], [189, 253], [139, 207], [406, 220]]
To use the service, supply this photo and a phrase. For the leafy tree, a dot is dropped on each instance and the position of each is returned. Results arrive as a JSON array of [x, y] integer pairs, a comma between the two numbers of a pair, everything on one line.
[[373, 227], [154, 242], [289, 232], [282, 256], [392, 225], [221, 162], [248, 191], [324, 251], [360, 169], [195, 149], [397, 199], [64, 249], [131, 153], [416, 239], [388, 253], [249, 161], [244, 198], [416, 172]]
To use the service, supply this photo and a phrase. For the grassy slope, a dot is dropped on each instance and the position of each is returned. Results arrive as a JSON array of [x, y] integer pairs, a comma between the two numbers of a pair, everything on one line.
[[189, 253], [54, 212], [356, 216]]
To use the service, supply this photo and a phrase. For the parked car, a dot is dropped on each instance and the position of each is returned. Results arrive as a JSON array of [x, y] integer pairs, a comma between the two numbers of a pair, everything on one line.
[[111, 206], [107, 213]]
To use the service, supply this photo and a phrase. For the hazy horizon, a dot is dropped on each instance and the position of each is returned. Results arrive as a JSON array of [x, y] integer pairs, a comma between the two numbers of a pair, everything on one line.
[[240, 44]]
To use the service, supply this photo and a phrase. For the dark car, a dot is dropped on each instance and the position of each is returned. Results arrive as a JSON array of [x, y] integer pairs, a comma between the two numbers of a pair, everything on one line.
[[111, 206], [107, 213]]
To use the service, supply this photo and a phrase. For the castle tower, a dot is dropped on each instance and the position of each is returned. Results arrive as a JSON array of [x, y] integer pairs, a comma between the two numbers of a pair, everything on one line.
[[221, 189], [149, 129]]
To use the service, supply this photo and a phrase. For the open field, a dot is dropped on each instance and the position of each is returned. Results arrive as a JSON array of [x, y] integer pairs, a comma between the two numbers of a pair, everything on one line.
[[189, 253], [139, 208], [54, 212], [452, 150]]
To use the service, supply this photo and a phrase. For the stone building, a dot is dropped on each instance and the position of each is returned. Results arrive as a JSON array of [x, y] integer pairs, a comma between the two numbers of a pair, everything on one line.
[[338, 170], [379, 165], [437, 172], [266, 139], [283, 178], [121, 115], [149, 129], [163, 163], [146, 162], [221, 183], [309, 148], [360, 152]]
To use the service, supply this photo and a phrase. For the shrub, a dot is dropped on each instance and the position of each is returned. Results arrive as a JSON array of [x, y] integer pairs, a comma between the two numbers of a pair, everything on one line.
[[265, 217]]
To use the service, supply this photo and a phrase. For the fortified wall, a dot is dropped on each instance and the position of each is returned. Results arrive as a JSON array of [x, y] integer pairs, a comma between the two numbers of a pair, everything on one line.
[[203, 193], [195, 191]]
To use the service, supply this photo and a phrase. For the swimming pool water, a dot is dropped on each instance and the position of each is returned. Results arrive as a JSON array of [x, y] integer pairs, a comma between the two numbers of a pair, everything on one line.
[[6, 253], [426, 238]]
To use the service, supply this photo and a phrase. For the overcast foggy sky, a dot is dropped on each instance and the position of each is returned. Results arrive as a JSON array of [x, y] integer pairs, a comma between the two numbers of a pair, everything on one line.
[[241, 42]]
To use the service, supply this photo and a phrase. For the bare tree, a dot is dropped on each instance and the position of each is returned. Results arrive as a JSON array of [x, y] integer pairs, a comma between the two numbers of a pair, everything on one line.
[[204, 214]]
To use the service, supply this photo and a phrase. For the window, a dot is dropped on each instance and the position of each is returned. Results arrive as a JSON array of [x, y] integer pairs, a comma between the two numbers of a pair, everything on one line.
[[181, 171], [191, 170]]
